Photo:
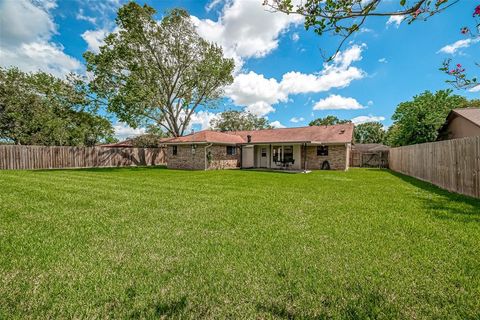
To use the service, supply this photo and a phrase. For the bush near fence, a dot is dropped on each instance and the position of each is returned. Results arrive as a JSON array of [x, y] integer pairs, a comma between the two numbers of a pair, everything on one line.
[[452, 164], [43, 157]]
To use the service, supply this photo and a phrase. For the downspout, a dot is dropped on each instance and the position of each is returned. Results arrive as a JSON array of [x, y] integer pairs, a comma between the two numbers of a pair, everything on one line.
[[206, 160]]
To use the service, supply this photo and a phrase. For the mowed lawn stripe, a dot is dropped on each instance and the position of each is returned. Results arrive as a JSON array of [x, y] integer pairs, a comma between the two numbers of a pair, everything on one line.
[[152, 242]]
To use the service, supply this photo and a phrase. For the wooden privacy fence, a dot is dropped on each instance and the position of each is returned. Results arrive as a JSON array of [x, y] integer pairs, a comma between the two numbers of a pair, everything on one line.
[[452, 164], [377, 159], [41, 157]]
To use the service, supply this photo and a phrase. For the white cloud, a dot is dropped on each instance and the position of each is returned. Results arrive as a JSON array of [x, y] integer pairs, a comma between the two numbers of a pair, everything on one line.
[[363, 119], [94, 39], [383, 60], [337, 102], [202, 118], [395, 20], [260, 108], [212, 4], [249, 88], [295, 36], [366, 30], [277, 124], [453, 48], [245, 29], [123, 131], [255, 92], [475, 89], [370, 102], [25, 38], [81, 16], [297, 120], [258, 94]]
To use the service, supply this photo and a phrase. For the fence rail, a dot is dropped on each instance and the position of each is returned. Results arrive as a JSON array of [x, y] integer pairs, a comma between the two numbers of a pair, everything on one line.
[[42, 157], [452, 164]]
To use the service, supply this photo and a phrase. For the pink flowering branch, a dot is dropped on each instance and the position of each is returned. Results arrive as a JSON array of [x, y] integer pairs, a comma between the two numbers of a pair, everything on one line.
[[459, 78]]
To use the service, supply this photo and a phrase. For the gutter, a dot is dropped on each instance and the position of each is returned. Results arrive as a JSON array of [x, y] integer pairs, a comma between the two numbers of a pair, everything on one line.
[[206, 160]]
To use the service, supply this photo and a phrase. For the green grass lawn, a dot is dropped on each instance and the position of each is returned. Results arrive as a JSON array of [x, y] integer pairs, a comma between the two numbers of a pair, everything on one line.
[[153, 243]]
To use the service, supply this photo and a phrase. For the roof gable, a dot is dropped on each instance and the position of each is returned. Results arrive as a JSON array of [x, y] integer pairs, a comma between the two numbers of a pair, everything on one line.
[[471, 114]]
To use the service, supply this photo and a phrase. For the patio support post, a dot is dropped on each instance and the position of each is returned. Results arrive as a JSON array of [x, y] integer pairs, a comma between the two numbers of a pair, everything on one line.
[[270, 158]]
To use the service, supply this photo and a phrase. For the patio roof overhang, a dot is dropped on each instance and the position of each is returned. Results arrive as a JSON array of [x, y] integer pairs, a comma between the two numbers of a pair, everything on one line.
[[311, 143], [200, 142]]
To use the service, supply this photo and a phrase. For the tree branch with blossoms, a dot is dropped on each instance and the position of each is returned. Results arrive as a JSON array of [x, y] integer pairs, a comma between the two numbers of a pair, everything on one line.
[[459, 77], [346, 17]]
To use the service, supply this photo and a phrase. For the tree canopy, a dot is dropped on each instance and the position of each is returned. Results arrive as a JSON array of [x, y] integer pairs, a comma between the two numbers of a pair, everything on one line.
[[419, 120], [369, 132], [157, 72], [233, 120], [40, 109], [327, 121]]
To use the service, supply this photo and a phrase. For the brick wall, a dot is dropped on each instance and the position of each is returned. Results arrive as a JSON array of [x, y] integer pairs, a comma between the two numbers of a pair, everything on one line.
[[185, 159], [337, 157], [220, 159]]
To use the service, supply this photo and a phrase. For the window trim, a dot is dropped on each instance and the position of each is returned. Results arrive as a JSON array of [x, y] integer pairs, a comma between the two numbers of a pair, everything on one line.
[[174, 150]]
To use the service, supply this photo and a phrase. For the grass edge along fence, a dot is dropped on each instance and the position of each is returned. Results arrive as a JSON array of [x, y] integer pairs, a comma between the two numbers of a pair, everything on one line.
[[50, 157], [451, 164]]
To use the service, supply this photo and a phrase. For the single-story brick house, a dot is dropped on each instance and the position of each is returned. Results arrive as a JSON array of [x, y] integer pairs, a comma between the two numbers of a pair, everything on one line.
[[305, 148]]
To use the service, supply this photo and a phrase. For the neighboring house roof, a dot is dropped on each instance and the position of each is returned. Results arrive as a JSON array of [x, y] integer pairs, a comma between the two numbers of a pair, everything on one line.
[[472, 114], [121, 144], [342, 133], [370, 147], [127, 143]]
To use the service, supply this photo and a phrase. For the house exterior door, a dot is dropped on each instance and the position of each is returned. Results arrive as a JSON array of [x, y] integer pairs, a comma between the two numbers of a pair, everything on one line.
[[248, 157], [263, 157]]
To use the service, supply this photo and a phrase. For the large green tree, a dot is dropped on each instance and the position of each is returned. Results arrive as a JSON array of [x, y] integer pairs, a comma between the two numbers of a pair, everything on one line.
[[419, 120], [369, 132], [157, 72], [40, 109], [233, 120], [327, 121]]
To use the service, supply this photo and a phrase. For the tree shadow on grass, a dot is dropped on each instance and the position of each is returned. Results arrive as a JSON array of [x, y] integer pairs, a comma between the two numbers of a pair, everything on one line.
[[444, 205], [113, 169], [106, 169], [361, 303], [171, 308]]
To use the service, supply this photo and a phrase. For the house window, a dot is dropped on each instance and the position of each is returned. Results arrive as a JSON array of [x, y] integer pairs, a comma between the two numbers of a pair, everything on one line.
[[322, 151], [288, 153], [282, 154], [264, 152], [174, 150], [194, 148], [231, 151]]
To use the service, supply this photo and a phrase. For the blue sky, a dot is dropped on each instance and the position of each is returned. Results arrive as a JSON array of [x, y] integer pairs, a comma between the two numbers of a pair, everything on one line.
[[280, 70]]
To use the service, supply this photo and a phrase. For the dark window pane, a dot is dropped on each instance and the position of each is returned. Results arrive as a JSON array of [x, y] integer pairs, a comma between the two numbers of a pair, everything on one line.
[[231, 151], [174, 150], [288, 154], [322, 151]]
